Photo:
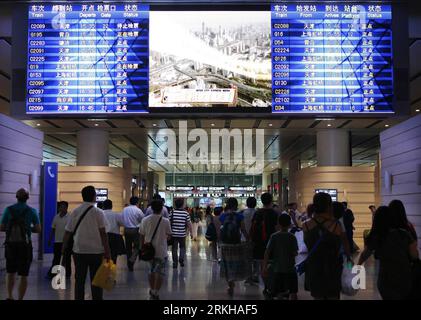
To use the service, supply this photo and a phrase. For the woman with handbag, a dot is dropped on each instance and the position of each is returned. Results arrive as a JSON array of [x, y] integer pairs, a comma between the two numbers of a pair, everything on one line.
[[154, 233]]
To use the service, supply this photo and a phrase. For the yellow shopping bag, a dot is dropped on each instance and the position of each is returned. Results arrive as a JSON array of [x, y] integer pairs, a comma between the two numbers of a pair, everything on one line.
[[105, 276]]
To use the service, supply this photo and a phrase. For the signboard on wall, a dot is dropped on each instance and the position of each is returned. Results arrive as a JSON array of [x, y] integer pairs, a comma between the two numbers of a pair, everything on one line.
[[332, 192], [101, 194], [49, 201]]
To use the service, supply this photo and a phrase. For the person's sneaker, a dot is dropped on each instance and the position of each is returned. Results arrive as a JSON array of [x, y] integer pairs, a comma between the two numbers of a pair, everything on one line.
[[248, 282], [267, 294], [153, 296], [182, 263], [230, 291]]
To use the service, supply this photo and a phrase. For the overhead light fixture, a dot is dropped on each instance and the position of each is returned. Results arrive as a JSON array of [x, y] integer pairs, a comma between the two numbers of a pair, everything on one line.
[[329, 125], [386, 125], [97, 120], [270, 124], [38, 124], [154, 124], [212, 124], [96, 124], [417, 110], [324, 119]]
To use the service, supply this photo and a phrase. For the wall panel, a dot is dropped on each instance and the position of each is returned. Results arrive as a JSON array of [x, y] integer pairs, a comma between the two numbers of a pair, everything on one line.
[[401, 155], [71, 180], [356, 185], [20, 156]]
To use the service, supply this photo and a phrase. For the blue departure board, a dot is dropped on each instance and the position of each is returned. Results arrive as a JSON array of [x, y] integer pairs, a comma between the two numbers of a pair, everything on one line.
[[87, 58], [331, 58]]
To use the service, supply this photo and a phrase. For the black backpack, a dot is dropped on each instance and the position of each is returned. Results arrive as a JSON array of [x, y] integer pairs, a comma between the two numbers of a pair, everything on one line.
[[211, 232], [16, 230], [258, 232], [230, 231]]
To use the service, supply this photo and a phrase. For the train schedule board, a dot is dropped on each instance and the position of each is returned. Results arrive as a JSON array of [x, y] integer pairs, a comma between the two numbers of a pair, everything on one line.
[[292, 58], [331, 58], [87, 58]]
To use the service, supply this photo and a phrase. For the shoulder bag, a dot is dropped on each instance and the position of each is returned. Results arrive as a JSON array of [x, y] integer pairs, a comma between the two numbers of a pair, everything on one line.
[[71, 240], [147, 253]]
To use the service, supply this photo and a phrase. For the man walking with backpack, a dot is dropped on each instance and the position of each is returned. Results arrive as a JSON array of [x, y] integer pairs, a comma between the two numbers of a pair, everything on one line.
[[263, 225], [234, 266], [19, 221]]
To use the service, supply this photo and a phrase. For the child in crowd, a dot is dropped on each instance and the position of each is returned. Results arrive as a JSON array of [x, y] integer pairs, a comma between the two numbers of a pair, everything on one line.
[[279, 262]]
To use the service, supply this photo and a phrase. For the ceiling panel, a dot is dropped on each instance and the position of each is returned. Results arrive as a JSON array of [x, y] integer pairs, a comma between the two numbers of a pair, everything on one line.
[[271, 124], [125, 123], [217, 123], [242, 123], [300, 123], [39, 124]]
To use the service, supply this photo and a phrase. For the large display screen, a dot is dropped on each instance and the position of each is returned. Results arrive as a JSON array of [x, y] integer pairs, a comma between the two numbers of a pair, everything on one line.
[[331, 58], [87, 58], [285, 58], [210, 59]]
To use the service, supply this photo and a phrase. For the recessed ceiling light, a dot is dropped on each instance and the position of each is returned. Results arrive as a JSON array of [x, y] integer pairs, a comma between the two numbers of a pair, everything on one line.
[[96, 124], [154, 124], [212, 124], [329, 125], [386, 125], [417, 110], [270, 124], [38, 124]]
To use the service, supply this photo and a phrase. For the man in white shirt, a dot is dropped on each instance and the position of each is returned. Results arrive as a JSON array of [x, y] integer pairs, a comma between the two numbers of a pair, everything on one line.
[[90, 242], [114, 220], [159, 242], [132, 216], [57, 232]]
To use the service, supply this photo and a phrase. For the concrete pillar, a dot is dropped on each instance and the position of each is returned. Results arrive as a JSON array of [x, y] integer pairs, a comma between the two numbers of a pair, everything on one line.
[[265, 182], [280, 199], [161, 180], [127, 192], [92, 147], [142, 181], [333, 148], [293, 167]]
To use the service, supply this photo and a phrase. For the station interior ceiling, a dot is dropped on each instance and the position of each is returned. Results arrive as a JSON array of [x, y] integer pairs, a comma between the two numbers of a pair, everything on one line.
[[284, 140]]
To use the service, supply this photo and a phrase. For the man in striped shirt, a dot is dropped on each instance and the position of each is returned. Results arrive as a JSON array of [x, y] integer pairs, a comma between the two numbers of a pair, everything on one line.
[[180, 222]]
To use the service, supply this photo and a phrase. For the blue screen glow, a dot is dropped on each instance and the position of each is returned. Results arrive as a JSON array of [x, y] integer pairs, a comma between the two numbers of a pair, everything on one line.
[[331, 58], [297, 58], [89, 58]]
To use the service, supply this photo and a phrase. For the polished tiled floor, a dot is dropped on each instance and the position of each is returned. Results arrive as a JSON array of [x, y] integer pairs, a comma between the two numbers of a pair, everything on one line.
[[199, 279]]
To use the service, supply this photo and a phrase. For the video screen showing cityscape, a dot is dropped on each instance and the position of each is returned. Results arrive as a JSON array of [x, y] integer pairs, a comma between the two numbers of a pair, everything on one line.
[[210, 59]]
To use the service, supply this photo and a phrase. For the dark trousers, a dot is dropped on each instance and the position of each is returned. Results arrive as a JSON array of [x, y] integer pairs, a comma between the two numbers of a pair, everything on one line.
[[116, 244], [67, 259], [83, 262], [178, 242], [131, 237]]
